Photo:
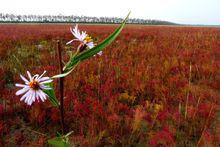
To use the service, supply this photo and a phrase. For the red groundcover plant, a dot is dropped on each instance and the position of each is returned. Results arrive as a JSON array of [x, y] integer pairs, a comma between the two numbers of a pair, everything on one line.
[[154, 86]]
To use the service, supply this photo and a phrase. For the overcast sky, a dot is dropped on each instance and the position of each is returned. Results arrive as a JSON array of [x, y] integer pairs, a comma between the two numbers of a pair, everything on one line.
[[178, 11]]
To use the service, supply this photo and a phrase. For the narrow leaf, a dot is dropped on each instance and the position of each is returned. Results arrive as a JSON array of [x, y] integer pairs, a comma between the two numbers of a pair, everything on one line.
[[51, 95]]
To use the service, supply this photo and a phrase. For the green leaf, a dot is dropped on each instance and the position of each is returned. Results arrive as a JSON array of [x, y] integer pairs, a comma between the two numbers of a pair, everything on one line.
[[51, 95], [58, 142], [89, 53]]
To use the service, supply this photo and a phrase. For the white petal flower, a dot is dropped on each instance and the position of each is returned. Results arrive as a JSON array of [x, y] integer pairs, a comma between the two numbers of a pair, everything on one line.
[[33, 88], [84, 39]]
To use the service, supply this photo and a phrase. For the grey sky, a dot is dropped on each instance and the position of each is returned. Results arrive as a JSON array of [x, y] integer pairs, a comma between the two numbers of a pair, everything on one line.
[[179, 11]]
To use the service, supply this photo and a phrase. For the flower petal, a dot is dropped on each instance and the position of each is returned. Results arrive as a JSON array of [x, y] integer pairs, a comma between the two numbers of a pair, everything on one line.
[[29, 97], [28, 94], [83, 36], [29, 75], [24, 79], [44, 82], [21, 91], [42, 95], [25, 95], [99, 53], [37, 95], [90, 45], [45, 87], [41, 75], [21, 85], [69, 42], [43, 79], [32, 99], [72, 41]]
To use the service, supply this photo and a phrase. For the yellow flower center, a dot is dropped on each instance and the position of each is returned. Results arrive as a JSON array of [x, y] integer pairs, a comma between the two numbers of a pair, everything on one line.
[[34, 85], [88, 39]]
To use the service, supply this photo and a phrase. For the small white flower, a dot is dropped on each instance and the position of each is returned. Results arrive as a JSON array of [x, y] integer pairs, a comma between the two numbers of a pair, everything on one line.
[[83, 38], [33, 88]]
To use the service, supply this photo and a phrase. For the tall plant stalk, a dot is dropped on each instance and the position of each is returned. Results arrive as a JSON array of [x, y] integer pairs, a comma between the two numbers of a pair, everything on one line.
[[61, 85], [205, 125], [189, 86]]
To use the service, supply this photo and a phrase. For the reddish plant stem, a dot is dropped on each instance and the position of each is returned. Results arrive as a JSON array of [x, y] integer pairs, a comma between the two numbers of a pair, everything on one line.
[[189, 85], [205, 125], [61, 85]]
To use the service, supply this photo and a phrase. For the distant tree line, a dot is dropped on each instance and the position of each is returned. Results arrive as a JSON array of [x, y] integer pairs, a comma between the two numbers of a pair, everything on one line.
[[11, 18]]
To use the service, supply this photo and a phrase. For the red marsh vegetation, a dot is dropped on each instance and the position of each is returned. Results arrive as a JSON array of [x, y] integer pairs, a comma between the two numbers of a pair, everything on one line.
[[154, 85]]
